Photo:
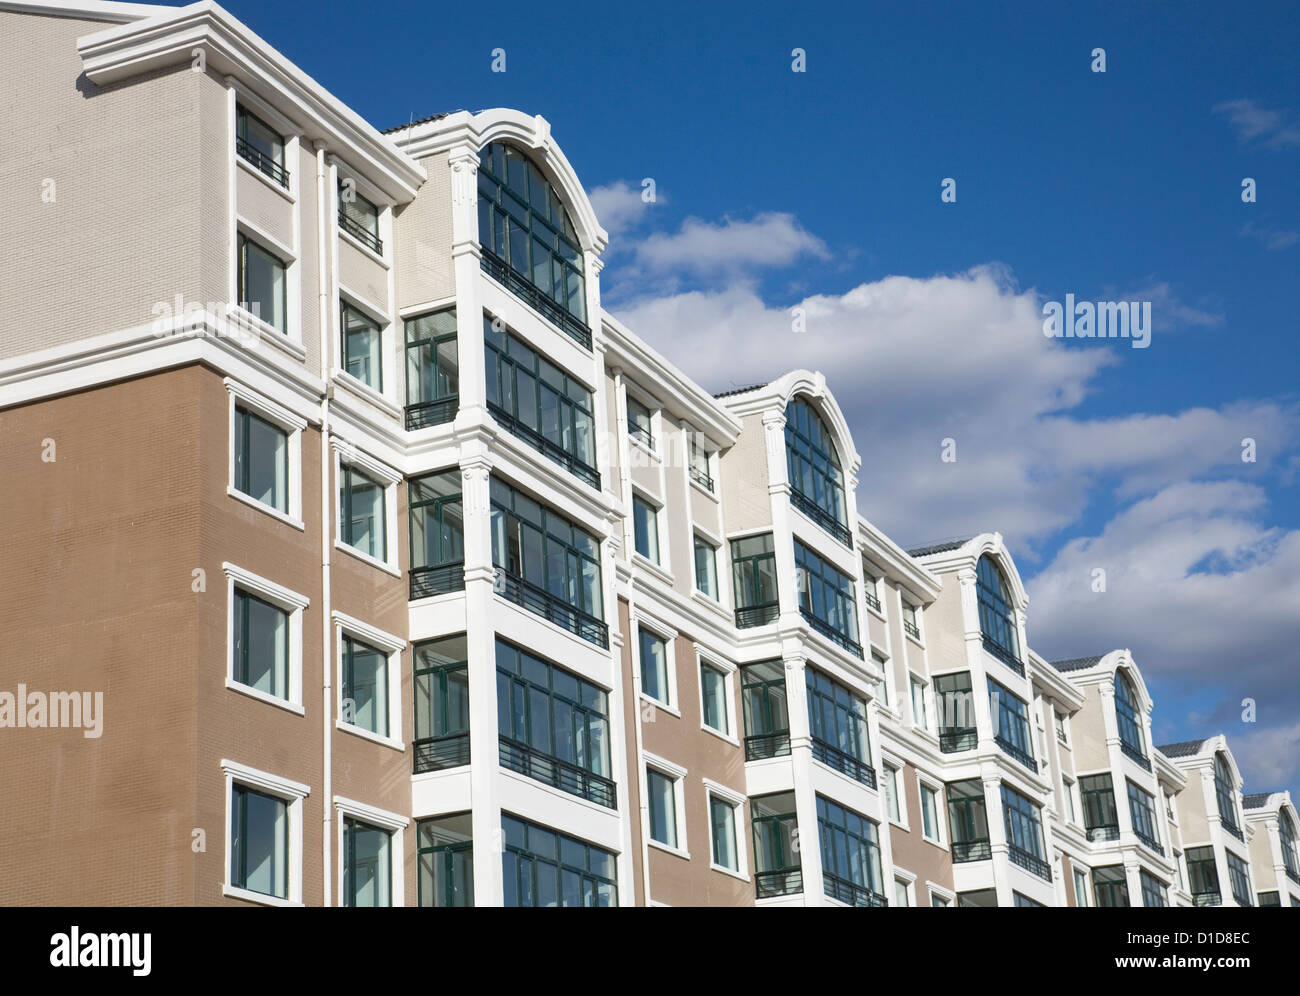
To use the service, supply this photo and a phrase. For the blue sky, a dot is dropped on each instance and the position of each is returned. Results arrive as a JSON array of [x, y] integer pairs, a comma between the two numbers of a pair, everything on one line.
[[821, 190]]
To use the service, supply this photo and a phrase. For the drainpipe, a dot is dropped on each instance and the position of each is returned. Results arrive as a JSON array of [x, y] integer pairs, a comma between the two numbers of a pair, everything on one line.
[[324, 311]]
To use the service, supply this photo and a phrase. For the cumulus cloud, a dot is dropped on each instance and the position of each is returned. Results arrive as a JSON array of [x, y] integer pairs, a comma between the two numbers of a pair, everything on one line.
[[769, 239], [1256, 123], [620, 207]]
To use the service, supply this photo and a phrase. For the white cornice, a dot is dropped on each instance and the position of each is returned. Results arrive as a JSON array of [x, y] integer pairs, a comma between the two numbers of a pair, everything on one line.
[[86, 10], [891, 557], [168, 38]]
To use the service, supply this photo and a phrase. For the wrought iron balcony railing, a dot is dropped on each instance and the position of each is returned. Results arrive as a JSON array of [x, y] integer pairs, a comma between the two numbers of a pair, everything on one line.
[[1135, 755], [1150, 842], [1011, 750], [359, 232], [515, 589], [1293, 875], [778, 883], [832, 634], [1103, 832], [765, 745], [537, 441], [954, 740], [1005, 656], [263, 163], [641, 433], [502, 272], [1233, 829], [872, 601], [820, 516], [429, 581], [559, 774], [423, 414], [1030, 862], [436, 753], [845, 764], [1207, 899], [846, 892], [757, 615], [971, 850], [911, 629], [702, 478]]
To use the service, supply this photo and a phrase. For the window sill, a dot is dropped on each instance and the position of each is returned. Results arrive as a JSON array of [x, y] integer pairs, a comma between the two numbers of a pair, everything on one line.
[[638, 444], [263, 178], [357, 243], [676, 852], [367, 393], [902, 826], [878, 613], [725, 737], [361, 555], [915, 639], [234, 892], [357, 731], [266, 332], [646, 564], [711, 603], [645, 697], [711, 495], [934, 843], [253, 693], [275, 513], [743, 876]]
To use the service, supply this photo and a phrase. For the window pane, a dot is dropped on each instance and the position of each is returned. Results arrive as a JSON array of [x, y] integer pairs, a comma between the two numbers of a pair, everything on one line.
[[262, 460], [259, 843], [723, 818], [361, 354], [663, 808], [365, 686]]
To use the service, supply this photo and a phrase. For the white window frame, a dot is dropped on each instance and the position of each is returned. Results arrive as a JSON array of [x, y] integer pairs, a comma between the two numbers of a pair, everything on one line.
[[698, 535], [871, 583], [292, 793], [677, 775], [923, 782], [937, 891], [656, 421], [900, 793], [1085, 872], [345, 626], [1068, 787], [383, 207], [729, 688], [917, 613], [385, 323], [292, 425], [736, 800], [914, 681], [1064, 727], [281, 597], [345, 454], [886, 697], [661, 549], [907, 880], [669, 638], [380, 819]]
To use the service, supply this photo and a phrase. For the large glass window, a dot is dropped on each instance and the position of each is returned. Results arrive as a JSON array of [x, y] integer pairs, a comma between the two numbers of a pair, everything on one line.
[[816, 479], [445, 850], [1080, 887], [968, 820], [654, 667], [1153, 890], [367, 864], [554, 726], [365, 686], [362, 353], [1287, 834], [361, 512], [893, 807], [722, 824], [850, 846], [706, 567], [1024, 832], [1142, 809], [1239, 878], [1110, 886], [262, 283], [261, 460], [441, 703], [640, 422], [826, 599], [260, 144], [662, 792], [1100, 817], [1126, 716], [359, 217], [645, 528], [432, 369], [776, 845], [259, 842], [997, 617], [1203, 876], [261, 645], [753, 567], [767, 717], [1225, 792], [524, 226], [541, 867], [1010, 717], [953, 698], [713, 698], [838, 721], [437, 533], [929, 812], [539, 402]]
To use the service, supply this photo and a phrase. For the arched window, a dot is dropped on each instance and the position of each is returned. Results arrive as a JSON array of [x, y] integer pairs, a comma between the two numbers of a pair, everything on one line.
[[524, 225], [997, 618], [1286, 829], [1126, 715], [1224, 790], [816, 479]]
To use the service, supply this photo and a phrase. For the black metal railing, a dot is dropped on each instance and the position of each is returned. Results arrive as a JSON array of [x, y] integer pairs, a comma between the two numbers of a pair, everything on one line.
[[551, 450], [1135, 755], [846, 892], [558, 774], [264, 163], [1030, 862], [423, 414], [1005, 656], [766, 745], [1207, 899], [845, 764], [952, 741], [832, 634], [1242, 900], [1293, 875], [1060, 738], [361, 233], [1011, 750], [501, 271], [429, 581], [871, 599], [757, 615], [538, 600], [1103, 832], [436, 753], [702, 478], [971, 850], [820, 516], [641, 433], [1150, 842], [778, 883], [1233, 829], [911, 629]]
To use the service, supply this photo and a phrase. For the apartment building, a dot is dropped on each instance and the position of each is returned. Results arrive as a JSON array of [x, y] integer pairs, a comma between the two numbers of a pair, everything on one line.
[[410, 576]]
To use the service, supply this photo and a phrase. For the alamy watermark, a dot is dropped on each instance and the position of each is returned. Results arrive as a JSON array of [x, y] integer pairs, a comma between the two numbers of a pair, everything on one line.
[[1102, 320], [57, 710]]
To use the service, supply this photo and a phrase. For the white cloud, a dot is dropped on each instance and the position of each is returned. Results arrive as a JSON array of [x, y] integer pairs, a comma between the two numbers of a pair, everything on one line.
[[1253, 122], [769, 239], [1168, 311], [619, 206], [1270, 237]]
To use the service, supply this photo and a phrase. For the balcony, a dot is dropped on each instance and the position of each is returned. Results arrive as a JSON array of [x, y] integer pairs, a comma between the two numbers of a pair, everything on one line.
[[872, 601], [1135, 755], [515, 589], [1011, 750], [500, 271], [765, 745], [819, 515], [641, 433], [558, 774], [702, 478], [264, 164], [437, 753], [1101, 833], [1030, 862], [971, 850], [537, 441], [953, 740], [846, 892], [831, 633], [1150, 842], [757, 615], [1006, 657], [911, 629], [1206, 899], [845, 764], [778, 883], [362, 234], [1293, 875], [1233, 829], [429, 581], [423, 414]]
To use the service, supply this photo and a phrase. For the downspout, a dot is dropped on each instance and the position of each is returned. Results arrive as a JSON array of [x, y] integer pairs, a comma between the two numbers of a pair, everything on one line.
[[324, 311]]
